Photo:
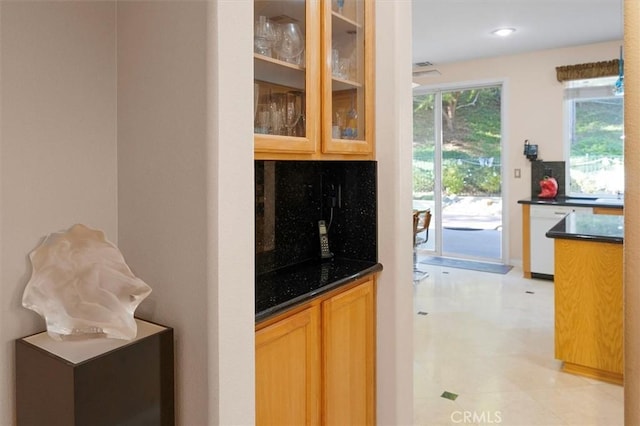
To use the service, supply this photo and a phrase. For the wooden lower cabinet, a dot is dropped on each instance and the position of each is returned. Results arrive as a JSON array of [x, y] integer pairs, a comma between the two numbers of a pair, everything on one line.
[[588, 308], [288, 370], [317, 365], [348, 334]]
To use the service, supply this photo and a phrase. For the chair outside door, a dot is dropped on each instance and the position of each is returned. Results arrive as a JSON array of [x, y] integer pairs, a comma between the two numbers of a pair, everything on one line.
[[421, 222]]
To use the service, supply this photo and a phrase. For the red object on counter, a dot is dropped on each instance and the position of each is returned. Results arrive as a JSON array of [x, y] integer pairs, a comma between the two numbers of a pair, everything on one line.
[[548, 187]]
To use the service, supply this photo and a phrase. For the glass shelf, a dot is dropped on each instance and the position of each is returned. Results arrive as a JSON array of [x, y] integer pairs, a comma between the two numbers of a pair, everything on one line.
[[279, 72], [342, 84], [342, 24]]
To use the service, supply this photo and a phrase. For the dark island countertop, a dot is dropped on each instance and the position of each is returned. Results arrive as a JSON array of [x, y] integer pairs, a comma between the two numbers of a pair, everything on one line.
[[283, 289], [575, 201], [589, 227]]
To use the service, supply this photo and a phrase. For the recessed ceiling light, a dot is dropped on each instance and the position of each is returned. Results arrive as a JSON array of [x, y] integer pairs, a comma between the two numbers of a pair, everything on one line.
[[503, 32]]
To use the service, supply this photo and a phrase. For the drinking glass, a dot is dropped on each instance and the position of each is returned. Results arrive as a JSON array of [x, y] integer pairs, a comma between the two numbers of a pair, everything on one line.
[[264, 36], [277, 121], [290, 42], [335, 62], [343, 68], [262, 122], [276, 111], [292, 111], [351, 129], [339, 123]]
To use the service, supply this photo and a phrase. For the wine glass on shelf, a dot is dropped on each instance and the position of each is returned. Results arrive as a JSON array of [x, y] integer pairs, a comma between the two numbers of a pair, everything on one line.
[[292, 111], [264, 36], [277, 121], [351, 131], [340, 6], [290, 42], [262, 123], [276, 111]]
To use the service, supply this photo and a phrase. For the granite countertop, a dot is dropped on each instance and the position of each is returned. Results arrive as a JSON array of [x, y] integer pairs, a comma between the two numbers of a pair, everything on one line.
[[575, 201], [280, 290], [590, 227]]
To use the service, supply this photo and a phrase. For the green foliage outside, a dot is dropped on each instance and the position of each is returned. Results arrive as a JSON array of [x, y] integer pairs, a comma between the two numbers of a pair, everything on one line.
[[597, 147], [471, 133], [423, 180], [598, 127]]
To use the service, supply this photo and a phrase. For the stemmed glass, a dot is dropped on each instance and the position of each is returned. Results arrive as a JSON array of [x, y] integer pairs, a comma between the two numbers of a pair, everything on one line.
[[292, 111], [290, 42], [262, 123], [264, 36], [276, 110], [351, 131]]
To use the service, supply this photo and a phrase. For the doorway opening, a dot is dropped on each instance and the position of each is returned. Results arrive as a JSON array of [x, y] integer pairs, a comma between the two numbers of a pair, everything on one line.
[[457, 171]]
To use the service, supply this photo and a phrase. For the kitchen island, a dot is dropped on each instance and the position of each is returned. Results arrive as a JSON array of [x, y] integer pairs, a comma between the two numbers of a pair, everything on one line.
[[540, 214], [588, 295]]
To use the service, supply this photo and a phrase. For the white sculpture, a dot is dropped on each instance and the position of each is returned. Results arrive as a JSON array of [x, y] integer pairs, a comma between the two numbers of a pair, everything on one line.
[[82, 286]]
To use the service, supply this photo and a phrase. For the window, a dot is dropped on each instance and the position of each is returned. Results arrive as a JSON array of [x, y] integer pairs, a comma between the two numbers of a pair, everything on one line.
[[594, 138]]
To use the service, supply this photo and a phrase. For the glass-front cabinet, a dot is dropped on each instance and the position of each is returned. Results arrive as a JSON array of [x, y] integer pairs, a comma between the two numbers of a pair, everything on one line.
[[313, 78], [286, 76], [347, 103]]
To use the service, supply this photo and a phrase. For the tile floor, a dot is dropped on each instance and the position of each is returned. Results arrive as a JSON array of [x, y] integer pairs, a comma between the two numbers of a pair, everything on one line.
[[489, 339]]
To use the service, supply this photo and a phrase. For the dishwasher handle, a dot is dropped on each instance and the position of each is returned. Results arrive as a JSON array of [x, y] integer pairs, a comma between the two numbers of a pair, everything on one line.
[[550, 212]]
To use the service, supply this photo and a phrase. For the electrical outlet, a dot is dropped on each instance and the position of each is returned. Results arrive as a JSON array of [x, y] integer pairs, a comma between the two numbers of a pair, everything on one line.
[[332, 194], [516, 173]]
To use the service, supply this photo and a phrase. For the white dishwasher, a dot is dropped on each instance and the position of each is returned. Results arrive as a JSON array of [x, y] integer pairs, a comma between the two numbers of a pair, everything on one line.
[[544, 218]]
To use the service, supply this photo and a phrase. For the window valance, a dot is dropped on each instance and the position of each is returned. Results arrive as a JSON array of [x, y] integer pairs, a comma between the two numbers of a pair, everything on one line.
[[590, 70]]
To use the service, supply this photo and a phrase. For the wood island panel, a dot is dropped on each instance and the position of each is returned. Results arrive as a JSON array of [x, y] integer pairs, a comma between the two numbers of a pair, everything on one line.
[[588, 308], [608, 210]]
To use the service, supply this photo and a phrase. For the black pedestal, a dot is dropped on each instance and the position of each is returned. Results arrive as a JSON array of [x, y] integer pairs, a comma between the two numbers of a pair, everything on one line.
[[98, 381]]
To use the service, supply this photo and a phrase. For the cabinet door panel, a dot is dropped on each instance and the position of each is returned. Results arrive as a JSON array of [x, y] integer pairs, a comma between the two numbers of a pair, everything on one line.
[[349, 350], [286, 76], [288, 371], [348, 77]]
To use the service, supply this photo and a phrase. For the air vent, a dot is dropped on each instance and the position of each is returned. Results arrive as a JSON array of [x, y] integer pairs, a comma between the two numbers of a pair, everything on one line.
[[420, 73]]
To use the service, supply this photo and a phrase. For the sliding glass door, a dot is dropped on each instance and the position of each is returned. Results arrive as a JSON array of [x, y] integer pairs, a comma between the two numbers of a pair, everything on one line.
[[457, 170]]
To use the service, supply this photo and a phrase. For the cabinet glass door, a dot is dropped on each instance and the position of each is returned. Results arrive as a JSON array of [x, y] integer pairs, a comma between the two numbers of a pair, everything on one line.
[[286, 69], [348, 76]]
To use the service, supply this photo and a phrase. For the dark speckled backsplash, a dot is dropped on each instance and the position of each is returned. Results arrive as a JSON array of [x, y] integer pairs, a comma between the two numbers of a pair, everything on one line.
[[291, 196]]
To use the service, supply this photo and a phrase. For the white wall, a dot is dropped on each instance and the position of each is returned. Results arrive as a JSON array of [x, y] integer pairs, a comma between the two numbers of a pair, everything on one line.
[[162, 172], [57, 144], [394, 151], [231, 209], [533, 102], [185, 163]]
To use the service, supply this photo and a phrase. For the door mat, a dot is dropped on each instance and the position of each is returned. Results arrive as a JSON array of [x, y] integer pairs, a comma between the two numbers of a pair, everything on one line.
[[496, 268]]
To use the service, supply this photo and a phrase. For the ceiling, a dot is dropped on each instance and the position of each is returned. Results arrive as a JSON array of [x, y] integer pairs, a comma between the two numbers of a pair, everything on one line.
[[458, 30]]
